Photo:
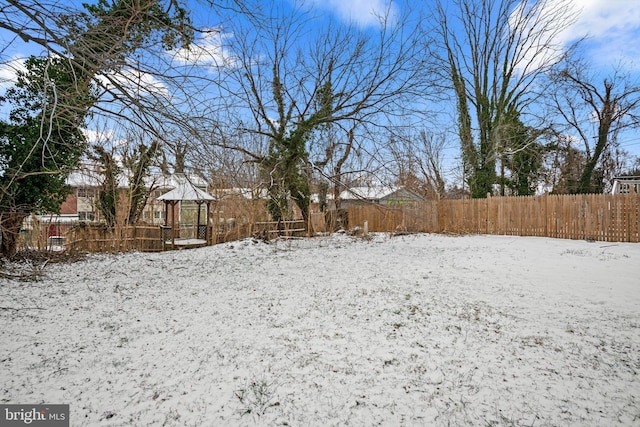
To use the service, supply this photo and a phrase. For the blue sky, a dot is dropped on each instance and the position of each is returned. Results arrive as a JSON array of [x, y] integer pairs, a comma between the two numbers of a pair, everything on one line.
[[612, 28]]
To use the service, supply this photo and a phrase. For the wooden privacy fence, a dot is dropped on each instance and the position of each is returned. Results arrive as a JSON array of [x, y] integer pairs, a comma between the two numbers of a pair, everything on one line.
[[603, 217], [232, 233], [271, 229]]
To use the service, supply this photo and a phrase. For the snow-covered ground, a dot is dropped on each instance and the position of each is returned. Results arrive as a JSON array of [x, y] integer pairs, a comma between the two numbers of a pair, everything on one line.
[[407, 330]]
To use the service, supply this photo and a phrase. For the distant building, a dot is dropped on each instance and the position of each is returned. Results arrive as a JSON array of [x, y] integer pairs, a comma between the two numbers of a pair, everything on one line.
[[86, 183], [390, 196]]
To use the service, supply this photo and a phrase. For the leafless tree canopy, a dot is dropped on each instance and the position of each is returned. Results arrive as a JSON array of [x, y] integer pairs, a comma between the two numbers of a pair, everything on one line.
[[303, 92], [596, 110], [493, 53]]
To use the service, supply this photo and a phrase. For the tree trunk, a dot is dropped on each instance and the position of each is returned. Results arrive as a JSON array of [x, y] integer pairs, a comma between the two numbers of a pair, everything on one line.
[[9, 232], [300, 195], [586, 184]]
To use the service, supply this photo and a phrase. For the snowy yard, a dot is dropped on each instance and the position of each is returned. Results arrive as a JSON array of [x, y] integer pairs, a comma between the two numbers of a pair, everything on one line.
[[409, 330]]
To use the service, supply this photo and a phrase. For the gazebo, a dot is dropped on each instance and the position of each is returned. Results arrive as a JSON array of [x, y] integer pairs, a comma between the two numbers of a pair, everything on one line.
[[185, 191]]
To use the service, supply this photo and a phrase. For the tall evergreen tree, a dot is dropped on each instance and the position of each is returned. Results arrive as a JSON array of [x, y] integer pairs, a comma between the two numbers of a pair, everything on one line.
[[139, 163], [108, 193], [42, 141], [39, 145]]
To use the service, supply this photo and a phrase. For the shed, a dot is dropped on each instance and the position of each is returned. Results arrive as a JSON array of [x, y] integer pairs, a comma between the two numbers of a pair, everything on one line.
[[378, 195], [625, 184]]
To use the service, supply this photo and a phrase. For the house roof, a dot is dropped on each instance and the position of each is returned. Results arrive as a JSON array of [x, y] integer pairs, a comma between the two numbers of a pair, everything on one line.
[[369, 193], [244, 192], [626, 178], [88, 178], [173, 181], [373, 193], [89, 175]]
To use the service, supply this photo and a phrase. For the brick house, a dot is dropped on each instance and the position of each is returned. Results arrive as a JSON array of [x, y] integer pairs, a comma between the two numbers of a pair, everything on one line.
[[86, 182]]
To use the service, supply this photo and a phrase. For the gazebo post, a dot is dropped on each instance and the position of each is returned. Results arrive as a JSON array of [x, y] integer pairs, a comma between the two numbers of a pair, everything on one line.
[[199, 203], [173, 224], [209, 235], [166, 212], [164, 229]]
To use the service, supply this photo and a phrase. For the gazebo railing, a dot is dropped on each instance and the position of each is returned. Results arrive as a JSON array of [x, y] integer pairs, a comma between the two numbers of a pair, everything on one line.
[[202, 232], [166, 235]]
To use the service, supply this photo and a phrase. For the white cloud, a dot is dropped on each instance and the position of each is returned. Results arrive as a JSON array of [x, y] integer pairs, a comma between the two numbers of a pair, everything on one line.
[[599, 18], [135, 82], [363, 12], [9, 70], [98, 137], [207, 51], [612, 28]]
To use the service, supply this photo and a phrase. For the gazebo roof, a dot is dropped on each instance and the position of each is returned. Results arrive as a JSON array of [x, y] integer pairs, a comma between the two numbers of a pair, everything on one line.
[[186, 191]]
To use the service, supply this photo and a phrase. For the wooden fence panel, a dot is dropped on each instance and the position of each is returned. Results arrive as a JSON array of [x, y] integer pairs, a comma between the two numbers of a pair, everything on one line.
[[379, 218], [238, 232], [421, 217], [98, 238], [603, 217]]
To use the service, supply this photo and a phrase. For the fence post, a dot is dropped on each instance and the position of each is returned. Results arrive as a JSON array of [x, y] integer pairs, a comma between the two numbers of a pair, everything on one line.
[[488, 202], [135, 238], [627, 206], [546, 214]]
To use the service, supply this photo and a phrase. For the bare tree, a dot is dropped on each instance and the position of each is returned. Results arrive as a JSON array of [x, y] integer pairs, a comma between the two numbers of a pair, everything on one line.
[[492, 54], [429, 159], [595, 115], [289, 82], [419, 162], [336, 147], [99, 41]]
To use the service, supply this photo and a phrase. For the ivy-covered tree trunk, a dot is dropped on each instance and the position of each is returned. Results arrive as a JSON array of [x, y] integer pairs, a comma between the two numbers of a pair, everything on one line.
[[277, 202], [481, 183], [292, 185], [301, 195], [108, 192], [10, 225], [494, 53], [284, 169], [140, 163], [587, 182]]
